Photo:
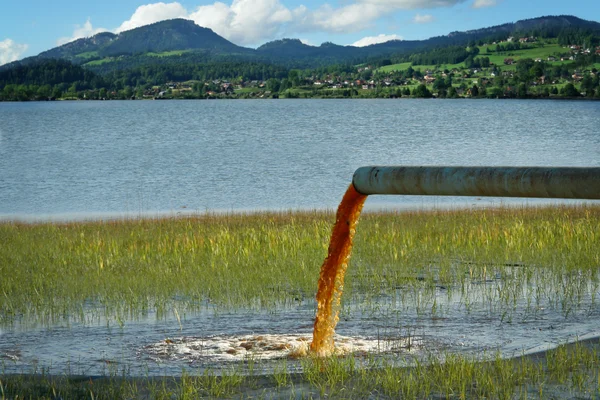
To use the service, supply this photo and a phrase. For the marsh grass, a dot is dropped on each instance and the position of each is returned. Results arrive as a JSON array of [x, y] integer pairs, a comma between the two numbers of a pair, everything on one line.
[[569, 371], [125, 269], [128, 268]]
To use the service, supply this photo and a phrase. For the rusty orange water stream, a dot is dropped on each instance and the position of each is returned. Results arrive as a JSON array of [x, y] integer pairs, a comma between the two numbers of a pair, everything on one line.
[[331, 279]]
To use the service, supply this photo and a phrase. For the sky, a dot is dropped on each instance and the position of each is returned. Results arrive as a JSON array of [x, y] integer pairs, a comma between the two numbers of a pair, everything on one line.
[[28, 27]]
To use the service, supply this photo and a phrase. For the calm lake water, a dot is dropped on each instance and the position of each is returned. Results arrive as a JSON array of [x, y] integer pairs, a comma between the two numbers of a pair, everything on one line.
[[65, 160]]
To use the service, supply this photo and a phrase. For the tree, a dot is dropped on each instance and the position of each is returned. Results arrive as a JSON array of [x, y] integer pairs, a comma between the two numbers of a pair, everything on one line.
[[56, 93], [587, 84], [523, 69], [570, 91], [294, 78], [366, 74], [469, 62], [127, 92], [422, 92], [522, 90], [537, 69], [44, 92], [273, 85], [440, 86], [72, 92]]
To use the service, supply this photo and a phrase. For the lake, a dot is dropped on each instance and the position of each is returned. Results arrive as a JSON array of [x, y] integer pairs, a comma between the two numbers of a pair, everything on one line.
[[74, 160]]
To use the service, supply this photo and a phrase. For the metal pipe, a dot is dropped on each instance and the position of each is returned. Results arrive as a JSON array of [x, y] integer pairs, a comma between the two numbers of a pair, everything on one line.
[[548, 182]]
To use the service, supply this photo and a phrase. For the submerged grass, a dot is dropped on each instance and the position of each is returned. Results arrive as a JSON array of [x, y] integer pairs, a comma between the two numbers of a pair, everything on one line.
[[127, 268]]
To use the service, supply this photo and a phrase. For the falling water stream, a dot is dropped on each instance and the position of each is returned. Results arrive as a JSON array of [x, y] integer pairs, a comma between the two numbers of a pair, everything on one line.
[[331, 279]]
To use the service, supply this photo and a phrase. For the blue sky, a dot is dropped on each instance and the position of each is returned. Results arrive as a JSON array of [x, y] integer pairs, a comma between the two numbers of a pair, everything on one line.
[[31, 26]]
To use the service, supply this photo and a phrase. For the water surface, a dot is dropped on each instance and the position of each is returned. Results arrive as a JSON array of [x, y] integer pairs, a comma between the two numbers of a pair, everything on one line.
[[92, 159]]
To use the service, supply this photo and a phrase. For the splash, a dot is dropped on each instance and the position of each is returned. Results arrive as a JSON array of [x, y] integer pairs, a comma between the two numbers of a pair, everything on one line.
[[331, 279], [205, 350]]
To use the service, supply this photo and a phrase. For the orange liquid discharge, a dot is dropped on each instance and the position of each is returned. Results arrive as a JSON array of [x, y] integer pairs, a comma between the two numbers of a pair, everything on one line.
[[331, 279]]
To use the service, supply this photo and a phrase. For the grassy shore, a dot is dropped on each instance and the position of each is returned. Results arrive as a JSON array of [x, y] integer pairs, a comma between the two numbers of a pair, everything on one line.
[[123, 269]]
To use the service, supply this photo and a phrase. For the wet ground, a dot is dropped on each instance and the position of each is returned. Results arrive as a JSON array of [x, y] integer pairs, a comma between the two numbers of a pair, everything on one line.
[[400, 326]]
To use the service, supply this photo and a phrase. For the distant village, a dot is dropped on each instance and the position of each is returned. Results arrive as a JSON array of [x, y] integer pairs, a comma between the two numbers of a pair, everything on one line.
[[372, 81]]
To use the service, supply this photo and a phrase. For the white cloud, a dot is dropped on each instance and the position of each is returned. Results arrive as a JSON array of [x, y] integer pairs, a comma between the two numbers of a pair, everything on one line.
[[81, 31], [484, 3], [423, 19], [369, 40], [150, 13], [252, 22], [350, 18], [245, 22], [11, 51], [413, 4]]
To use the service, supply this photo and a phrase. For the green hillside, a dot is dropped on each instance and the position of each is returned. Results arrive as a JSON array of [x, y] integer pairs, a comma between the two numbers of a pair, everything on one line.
[[540, 57], [542, 50]]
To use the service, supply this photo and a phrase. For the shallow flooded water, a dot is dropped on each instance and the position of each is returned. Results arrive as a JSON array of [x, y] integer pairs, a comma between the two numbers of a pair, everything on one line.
[[402, 325]]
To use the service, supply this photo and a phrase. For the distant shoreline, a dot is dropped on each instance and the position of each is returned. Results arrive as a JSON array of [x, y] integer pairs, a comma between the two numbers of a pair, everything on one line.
[[312, 98], [84, 217]]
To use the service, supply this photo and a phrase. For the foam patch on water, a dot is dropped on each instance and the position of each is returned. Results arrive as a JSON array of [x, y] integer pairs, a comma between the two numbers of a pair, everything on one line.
[[265, 347]]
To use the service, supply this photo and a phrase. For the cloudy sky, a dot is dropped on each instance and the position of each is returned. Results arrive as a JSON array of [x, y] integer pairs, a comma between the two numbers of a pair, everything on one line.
[[31, 26]]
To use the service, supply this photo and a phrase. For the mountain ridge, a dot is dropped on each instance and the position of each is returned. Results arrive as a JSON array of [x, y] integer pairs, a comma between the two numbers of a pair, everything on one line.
[[168, 35], [178, 35]]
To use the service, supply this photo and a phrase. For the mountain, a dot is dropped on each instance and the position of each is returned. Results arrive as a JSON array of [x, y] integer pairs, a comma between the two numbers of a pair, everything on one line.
[[548, 26], [180, 41], [551, 24], [171, 35], [164, 36], [288, 47]]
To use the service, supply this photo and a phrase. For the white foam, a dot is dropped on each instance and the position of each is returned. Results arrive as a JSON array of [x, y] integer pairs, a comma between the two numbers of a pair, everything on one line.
[[264, 347]]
